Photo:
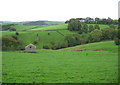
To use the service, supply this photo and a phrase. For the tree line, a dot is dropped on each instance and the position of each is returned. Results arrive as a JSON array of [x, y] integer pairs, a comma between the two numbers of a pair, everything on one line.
[[89, 20], [82, 27]]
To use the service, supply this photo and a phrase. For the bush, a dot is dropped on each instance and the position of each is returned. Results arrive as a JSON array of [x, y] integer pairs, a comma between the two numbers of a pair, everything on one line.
[[117, 41], [80, 32], [46, 46], [17, 33], [72, 39], [77, 38], [84, 39], [118, 33], [7, 26], [61, 45], [10, 43], [112, 26], [85, 28], [15, 37], [52, 43], [91, 28], [97, 26], [35, 42], [64, 45], [108, 33], [95, 36], [48, 33], [12, 29], [73, 25]]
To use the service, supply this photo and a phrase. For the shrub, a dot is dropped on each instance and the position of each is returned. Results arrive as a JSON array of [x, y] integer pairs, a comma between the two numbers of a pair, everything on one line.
[[108, 33], [17, 33], [80, 32], [10, 43], [117, 41], [46, 46], [85, 28], [58, 46], [112, 26], [97, 26], [72, 39], [95, 36], [77, 38], [52, 43], [7, 26], [118, 33], [15, 37], [48, 33], [91, 28], [12, 29], [61, 45], [35, 42], [84, 39], [37, 34], [73, 25], [64, 45]]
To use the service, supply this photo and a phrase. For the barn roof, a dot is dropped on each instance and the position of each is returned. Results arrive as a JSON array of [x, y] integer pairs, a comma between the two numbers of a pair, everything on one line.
[[30, 45]]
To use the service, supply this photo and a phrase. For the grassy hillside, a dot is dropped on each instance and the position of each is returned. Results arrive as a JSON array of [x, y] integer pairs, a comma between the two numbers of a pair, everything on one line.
[[30, 35], [44, 38], [88, 63], [64, 26], [55, 22], [43, 22], [21, 27], [52, 27], [98, 46]]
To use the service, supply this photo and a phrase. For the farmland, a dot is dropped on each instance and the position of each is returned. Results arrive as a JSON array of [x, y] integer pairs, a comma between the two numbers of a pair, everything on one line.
[[61, 66], [108, 46], [87, 63], [29, 36]]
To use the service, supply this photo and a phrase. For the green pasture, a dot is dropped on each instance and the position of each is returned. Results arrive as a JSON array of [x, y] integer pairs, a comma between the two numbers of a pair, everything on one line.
[[52, 27], [21, 27], [46, 34], [47, 66], [91, 63], [98, 46], [44, 37]]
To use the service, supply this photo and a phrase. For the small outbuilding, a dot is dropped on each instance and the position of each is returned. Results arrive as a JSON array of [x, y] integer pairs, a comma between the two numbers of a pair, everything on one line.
[[30, 48]]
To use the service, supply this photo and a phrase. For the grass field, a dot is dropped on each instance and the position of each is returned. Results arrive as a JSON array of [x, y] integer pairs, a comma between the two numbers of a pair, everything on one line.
[[21, 27], [64, 26], [61, 66], [98, 46], [44, 38], [89, 63], [29, 36], [52, 27]]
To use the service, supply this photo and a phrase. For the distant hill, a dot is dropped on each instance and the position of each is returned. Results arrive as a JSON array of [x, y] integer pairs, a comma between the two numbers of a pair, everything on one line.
[[9, 22], [43, 22], [6, 25], [34, 22]]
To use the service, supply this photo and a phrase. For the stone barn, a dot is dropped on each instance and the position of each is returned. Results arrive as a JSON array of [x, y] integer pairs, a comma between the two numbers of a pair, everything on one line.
[[30, 48]]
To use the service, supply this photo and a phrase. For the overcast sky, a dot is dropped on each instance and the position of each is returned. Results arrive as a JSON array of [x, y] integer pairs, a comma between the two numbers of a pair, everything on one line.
[[56, 10]]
